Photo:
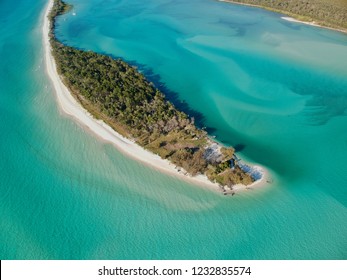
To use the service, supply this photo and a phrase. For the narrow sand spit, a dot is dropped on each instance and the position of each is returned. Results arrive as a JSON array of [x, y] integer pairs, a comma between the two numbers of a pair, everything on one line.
[[72, 108]]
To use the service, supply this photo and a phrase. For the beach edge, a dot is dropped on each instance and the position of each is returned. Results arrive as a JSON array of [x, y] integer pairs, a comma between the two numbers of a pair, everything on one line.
[[288, 17]]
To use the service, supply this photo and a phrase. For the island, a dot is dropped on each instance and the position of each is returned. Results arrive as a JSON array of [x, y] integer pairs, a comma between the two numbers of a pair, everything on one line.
[[324, 13], [119, 98]]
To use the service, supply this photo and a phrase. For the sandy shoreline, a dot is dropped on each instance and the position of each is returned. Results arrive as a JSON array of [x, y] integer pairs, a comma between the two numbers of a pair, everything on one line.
[[299, 21], [312, 23], [287, 18], [72, 108]]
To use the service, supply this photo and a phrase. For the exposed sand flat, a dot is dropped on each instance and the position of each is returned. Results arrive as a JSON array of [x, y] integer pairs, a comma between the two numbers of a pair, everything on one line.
[[71, 107]]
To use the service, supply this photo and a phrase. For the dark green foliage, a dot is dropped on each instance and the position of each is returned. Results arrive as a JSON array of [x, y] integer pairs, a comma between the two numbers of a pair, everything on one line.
[[119, 91]]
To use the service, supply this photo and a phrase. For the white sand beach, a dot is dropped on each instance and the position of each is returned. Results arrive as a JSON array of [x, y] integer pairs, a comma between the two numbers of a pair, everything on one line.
[[299, 21], [312, 23], [72, 108]]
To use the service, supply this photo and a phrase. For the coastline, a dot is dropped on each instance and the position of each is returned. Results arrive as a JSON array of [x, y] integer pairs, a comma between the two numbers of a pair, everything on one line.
[[299, 21], [312, 23], [289, 17], [72, 108]]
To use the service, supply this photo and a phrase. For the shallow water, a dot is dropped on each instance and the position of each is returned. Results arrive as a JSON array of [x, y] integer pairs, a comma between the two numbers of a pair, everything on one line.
[[276, 90]]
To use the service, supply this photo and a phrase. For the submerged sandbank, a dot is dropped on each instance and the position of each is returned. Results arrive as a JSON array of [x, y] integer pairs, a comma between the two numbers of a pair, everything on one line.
[[71, 107]]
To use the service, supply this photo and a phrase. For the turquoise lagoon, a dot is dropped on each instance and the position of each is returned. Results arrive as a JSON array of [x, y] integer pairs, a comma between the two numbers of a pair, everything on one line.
[[274, 89]]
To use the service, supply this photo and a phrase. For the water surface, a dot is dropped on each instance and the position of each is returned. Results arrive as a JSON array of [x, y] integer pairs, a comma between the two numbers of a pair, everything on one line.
[[276, 90]]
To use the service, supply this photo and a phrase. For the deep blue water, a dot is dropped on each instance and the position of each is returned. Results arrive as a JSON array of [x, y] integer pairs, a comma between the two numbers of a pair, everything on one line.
[[276, 90]]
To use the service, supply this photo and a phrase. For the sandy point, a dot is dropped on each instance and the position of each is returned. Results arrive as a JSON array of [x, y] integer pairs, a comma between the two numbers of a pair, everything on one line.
[[71, 107]]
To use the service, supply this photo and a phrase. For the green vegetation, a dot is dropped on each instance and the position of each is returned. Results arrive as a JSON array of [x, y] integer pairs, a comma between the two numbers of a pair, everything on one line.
[[117, 93], [329, 13]]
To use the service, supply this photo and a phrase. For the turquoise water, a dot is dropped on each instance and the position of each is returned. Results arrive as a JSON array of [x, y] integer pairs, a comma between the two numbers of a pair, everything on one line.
[[274, 89]]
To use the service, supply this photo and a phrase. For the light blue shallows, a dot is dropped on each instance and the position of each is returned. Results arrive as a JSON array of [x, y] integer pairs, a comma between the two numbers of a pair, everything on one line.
[[274, 89]]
